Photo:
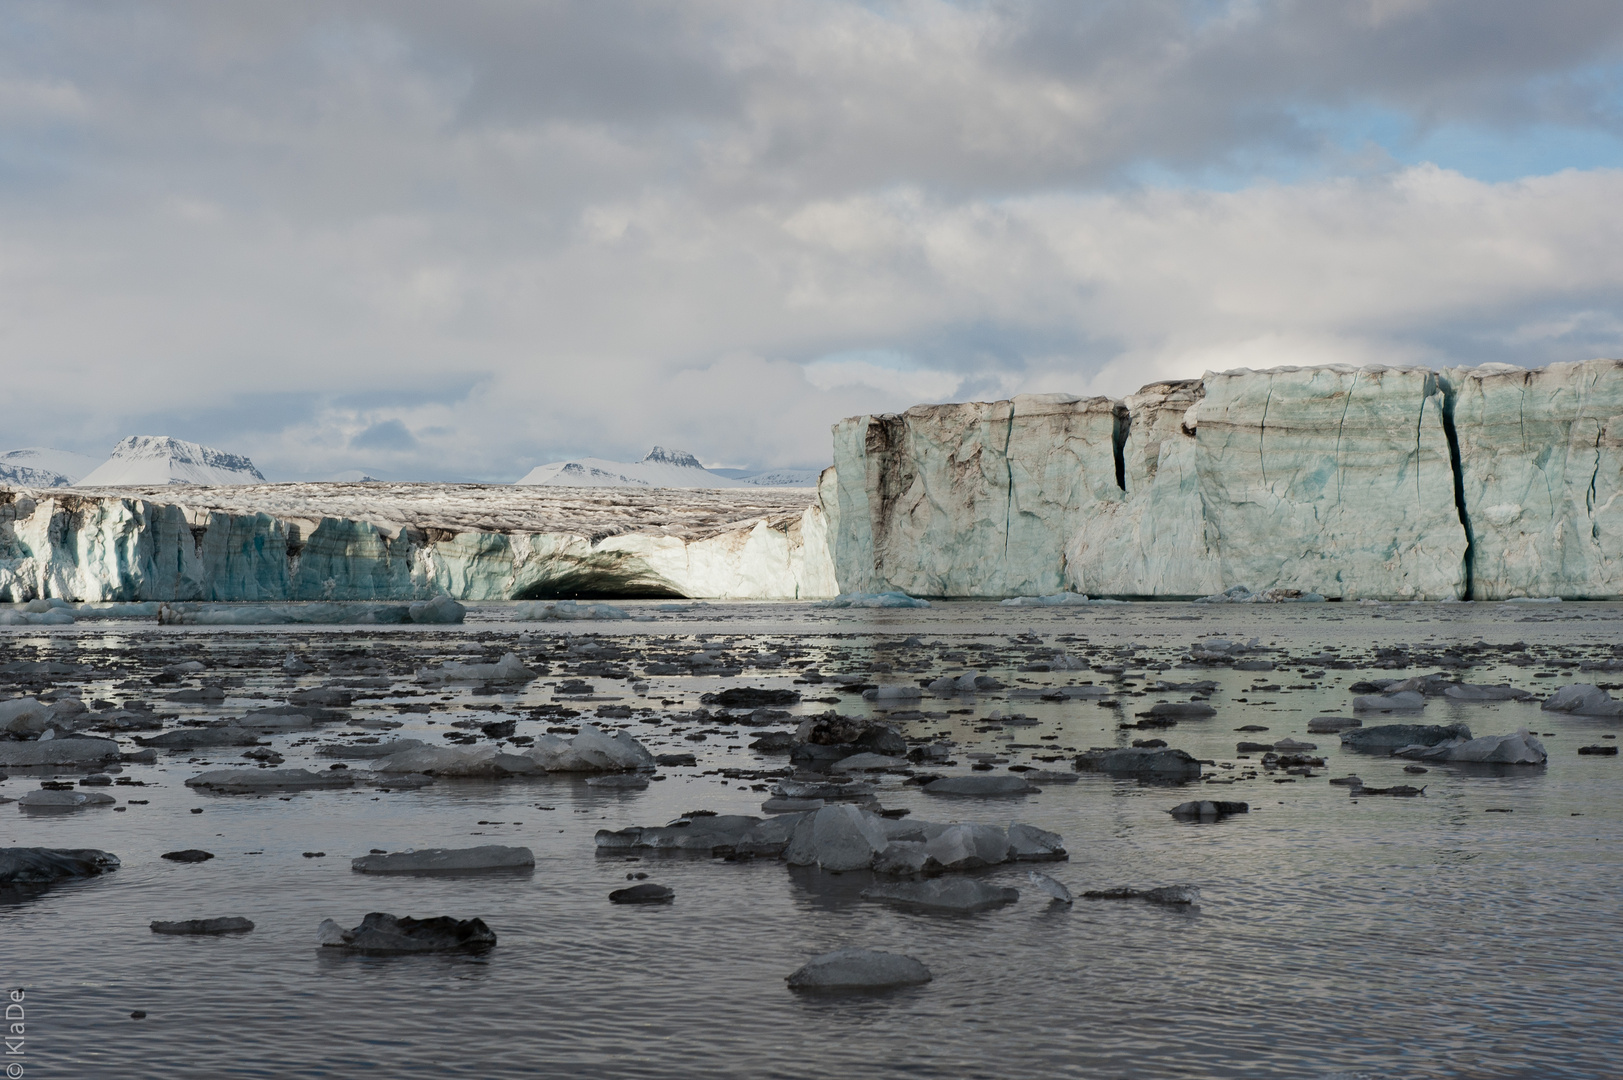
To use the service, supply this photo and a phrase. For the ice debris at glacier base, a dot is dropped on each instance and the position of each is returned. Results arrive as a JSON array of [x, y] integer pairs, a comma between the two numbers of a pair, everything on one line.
[[1239, 594], [1064, 599], [875, 600], [565, 611], [441, 610]]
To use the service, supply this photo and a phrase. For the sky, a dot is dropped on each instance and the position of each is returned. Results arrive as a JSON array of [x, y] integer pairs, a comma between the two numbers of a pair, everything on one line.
[[440, 241]]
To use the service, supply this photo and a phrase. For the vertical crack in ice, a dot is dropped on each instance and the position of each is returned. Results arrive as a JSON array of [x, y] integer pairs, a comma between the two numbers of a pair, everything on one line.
[[1341, 475], [1589, 499], [1426, 390], [1118, 445], [1008, 506], [1451, 434], [1262, 428]]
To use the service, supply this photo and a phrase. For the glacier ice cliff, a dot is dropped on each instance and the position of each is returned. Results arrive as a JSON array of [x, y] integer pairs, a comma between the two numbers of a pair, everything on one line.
[[281, 542], [1400, 483], [1387, 483], [1541, 474], [973, 499]]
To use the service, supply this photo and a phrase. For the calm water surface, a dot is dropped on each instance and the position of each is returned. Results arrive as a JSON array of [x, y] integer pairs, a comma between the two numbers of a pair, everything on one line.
[[1392, 937]]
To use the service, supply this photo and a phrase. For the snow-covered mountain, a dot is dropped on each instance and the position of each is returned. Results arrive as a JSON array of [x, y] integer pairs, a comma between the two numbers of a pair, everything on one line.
[[661, 468], [43, 467], [158, 459], [774, 477]]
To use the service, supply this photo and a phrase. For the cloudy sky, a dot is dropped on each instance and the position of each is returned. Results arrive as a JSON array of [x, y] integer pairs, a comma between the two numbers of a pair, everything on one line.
[[442, 240]]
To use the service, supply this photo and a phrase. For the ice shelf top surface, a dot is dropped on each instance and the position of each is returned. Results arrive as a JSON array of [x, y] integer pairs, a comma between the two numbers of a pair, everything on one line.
[[498, 508]]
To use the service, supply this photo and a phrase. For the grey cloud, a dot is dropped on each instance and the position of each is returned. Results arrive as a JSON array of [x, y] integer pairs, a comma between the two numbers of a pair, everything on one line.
[[470, 238], [389, 435], [323, 108]]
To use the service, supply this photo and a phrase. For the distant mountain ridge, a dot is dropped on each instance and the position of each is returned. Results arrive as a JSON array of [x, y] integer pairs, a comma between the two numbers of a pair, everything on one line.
[[159, 459], [43, 467], [660, 468], [774, 477]]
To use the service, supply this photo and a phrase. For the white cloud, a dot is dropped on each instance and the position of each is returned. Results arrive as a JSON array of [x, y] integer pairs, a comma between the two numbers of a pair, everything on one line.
[[520, 232], [889, 374]]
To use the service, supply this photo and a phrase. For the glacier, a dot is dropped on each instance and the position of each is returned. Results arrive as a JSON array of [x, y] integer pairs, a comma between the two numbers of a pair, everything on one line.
[[1382, 482], [1377, 482], [390, 542], [159, 459], [1541, 472]]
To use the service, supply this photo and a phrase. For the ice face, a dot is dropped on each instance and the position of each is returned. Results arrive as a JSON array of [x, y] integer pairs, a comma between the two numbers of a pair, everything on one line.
[[389, 542], [1351, 483]]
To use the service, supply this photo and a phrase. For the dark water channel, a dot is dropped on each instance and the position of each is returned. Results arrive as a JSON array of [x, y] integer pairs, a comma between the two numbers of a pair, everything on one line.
[[1437, 936]]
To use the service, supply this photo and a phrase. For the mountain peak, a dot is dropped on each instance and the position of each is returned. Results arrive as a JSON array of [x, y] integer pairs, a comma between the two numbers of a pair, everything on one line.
[[160, 459], [680, 458], [43, 467]]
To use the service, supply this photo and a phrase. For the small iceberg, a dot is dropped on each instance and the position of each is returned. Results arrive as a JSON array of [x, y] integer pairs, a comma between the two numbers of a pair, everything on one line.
[[1239, 594], [1064, 599], [565, 610], [875, 600]]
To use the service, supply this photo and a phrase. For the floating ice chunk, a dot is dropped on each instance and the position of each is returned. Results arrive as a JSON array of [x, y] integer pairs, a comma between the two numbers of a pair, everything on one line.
[[592, 750], [837, 838], [23, 718], [508, 669], [1027, 843], [484, 762], [244, 781], [446, 860], [49, 751], [41, 866], [1239, 594], [875, 600], [1390, 737], [981, 785], [1583, 699], [956, 895], [382, 934], [144, 610], [226, 924], [859, 969], [49, 617], [565, 610], [1064, 599], [1402, 701], [965, 847], [1166, 894], [1471, 692], [1518, 749], [334, 614], [885, 694], [1048, 885], [440, 610], [64, 800]]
